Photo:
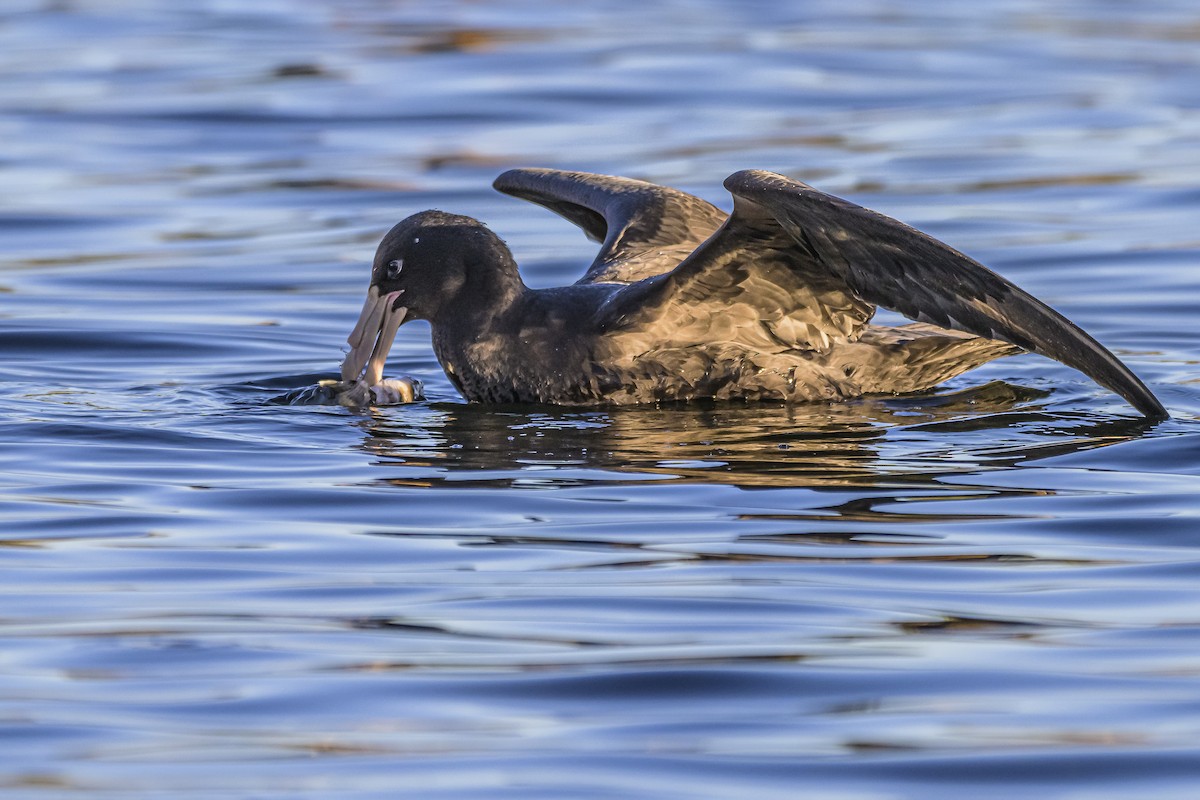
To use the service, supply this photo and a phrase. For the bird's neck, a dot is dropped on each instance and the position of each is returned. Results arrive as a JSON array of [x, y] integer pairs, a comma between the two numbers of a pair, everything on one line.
[[485, 297]]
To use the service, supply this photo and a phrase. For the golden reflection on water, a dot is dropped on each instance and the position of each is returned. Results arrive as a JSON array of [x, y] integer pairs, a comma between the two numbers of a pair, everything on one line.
[[806, 445]]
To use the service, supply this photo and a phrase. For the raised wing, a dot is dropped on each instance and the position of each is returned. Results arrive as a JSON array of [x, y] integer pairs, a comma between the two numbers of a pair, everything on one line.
[[750, 284], [835, 248], [645, 229]]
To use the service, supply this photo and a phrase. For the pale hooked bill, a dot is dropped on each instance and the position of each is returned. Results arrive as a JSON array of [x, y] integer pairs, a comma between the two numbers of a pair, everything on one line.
[[364, 363]]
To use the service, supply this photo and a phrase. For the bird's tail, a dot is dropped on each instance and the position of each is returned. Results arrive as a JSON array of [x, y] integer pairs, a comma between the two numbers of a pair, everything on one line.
[[911, 358]]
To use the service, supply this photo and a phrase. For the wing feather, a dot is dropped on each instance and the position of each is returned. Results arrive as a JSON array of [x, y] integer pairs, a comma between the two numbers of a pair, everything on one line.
[[750, 283], [900, 268], [809, 268], [645, 229]]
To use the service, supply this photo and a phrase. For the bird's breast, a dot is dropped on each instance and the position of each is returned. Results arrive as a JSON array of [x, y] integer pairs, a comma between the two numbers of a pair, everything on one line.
[[520, 367]]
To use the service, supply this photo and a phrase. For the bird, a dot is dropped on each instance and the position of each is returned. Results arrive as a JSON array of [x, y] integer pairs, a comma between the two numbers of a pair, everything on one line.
[[683, 302]]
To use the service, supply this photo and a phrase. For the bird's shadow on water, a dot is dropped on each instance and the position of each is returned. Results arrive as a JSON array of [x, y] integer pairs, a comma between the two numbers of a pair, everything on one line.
[[867, 442]]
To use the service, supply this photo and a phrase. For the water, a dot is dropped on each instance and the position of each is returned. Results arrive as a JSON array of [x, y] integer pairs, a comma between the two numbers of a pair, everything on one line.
[[991, 591]]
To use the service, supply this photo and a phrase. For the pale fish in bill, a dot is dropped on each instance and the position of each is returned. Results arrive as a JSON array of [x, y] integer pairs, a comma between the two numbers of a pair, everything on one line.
[[356, 394]]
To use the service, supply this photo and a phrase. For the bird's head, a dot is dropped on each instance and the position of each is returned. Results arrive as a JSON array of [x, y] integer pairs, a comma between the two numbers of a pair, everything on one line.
[[432, 266]]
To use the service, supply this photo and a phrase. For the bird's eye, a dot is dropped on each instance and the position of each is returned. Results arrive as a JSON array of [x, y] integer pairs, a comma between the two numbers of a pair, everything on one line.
[[394, 267]]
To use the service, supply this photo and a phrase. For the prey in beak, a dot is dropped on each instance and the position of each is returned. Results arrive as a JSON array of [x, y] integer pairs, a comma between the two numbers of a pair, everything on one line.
[[372, 337]]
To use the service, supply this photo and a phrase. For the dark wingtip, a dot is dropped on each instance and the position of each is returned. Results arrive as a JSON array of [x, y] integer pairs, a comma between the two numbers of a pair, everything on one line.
[[745, 177], [762, 179], [1118, 377], [523, 181], [1100, 364], [513, 179], [1145, 401]]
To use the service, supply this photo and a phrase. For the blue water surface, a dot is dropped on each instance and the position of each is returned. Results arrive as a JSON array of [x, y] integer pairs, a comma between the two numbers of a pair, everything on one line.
[[989, 592]]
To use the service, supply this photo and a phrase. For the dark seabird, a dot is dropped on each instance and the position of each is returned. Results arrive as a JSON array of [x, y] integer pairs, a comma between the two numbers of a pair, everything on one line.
[[772, 302]]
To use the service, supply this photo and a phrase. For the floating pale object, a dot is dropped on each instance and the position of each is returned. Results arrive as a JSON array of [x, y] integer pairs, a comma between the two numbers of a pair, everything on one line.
[[356, 394]]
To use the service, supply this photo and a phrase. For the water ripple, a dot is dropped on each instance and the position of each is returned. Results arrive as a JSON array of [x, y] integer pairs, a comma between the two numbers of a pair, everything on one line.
[[986, 590]]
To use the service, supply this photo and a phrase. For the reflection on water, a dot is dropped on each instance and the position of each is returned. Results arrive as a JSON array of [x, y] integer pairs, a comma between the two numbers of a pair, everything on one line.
[[862, 443], [985, 591]]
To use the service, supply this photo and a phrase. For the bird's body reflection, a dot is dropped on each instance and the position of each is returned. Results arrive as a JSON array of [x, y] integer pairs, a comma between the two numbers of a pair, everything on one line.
[[869, 442]]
